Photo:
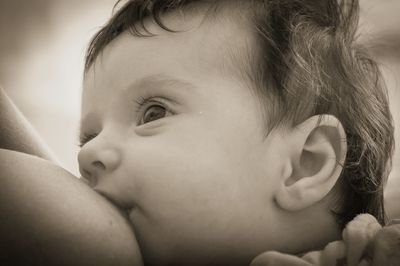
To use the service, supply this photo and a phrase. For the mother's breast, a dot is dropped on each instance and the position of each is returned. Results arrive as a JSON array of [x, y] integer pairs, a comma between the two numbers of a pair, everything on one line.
[[49, 217]]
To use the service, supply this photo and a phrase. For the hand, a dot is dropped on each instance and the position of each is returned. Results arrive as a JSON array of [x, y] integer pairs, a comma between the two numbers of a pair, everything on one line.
[[357, 235], [385, 248], [333, 255]]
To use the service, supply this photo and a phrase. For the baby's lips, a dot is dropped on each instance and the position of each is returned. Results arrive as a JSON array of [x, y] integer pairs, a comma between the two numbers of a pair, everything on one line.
[[114, 199]]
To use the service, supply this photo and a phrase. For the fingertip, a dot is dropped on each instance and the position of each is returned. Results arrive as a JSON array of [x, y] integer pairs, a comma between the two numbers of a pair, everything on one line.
[[333, 252], [263, 259], [274, 258]]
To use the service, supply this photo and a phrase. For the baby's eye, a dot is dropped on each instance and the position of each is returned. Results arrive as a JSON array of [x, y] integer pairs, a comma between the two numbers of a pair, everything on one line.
[[152, 108], [152, 113]]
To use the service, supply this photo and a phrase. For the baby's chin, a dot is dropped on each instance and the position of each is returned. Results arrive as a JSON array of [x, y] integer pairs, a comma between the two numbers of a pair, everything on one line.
[[55, 219]]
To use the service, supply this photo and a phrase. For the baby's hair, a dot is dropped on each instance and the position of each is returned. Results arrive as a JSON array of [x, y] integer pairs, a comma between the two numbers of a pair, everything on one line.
[[305, 62]]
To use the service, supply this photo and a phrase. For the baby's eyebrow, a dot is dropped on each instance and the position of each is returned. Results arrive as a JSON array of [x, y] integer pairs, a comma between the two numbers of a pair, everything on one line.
[[160, 81]]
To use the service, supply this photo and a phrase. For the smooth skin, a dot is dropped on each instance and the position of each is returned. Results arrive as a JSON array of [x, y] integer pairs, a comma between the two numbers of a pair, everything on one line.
[[49, 217]]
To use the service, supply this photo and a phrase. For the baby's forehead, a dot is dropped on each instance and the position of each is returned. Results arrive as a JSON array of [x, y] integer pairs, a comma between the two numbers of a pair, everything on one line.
[[214, 39]]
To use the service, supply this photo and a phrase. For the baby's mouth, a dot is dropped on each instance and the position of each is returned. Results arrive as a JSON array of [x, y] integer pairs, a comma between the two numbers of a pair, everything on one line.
[[122, 207]]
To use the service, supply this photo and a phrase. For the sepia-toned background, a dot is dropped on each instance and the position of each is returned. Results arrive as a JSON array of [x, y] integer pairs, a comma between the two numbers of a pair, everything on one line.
[[42, 45]]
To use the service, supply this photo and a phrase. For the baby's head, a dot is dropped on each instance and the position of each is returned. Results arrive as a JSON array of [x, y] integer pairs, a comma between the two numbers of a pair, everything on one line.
[[228, 128]]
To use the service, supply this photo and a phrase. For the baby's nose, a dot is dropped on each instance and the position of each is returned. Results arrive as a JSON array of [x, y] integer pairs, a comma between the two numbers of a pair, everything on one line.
[[95, 163]]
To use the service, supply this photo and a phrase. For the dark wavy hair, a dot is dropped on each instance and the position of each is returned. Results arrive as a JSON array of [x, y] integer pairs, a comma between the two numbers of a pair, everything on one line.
[[305, 62]]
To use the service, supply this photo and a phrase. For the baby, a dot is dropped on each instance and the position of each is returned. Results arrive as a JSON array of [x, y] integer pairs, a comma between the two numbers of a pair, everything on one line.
[[224, 129], [228, 128]]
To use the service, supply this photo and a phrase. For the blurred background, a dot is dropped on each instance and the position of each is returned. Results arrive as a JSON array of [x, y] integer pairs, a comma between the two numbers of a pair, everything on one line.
[[42, 46]]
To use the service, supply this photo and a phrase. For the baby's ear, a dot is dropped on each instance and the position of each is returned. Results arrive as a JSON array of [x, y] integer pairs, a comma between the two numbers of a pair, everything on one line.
[[316, 155]]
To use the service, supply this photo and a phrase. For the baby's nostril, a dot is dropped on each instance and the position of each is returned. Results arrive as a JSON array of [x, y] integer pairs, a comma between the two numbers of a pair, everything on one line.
[[99, 165]]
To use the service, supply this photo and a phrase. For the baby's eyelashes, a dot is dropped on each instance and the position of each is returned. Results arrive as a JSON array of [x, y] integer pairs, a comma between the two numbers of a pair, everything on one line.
[[85, 138]]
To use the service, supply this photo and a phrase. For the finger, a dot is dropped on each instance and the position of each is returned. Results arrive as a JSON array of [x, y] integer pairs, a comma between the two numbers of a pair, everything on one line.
[[333, 252], [386, 247], [357, 234], [274, 258], [313, 257]]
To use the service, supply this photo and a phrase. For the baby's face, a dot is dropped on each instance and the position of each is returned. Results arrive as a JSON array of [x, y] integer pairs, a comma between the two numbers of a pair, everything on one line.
[[179, 144]]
